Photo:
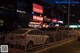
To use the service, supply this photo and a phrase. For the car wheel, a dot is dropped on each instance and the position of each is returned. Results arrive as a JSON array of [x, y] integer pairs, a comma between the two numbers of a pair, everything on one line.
[[30, 45]]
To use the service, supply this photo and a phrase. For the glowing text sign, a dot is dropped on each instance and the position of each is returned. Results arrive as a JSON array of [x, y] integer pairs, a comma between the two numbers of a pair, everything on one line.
[[37, 8], [37, 18]]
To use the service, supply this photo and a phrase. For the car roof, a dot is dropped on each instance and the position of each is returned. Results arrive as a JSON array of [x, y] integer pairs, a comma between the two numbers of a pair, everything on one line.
[[27, 29]]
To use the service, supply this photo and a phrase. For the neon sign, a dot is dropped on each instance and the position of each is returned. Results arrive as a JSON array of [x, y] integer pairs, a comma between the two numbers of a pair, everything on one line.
[[37, 18], [37, 8]]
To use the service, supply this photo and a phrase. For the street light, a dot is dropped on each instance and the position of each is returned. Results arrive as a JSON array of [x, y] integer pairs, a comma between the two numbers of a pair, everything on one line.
[[68, 16]]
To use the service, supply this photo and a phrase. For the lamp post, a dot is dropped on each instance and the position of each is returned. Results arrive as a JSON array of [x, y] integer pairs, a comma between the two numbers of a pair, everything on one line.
[[68, 16]]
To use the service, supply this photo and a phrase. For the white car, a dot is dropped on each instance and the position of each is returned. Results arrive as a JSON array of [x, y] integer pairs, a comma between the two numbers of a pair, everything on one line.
[[26, 37]]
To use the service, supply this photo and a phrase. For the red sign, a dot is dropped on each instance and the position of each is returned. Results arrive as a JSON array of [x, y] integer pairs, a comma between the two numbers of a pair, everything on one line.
[[54, 20], [37, 18], [37, 8]]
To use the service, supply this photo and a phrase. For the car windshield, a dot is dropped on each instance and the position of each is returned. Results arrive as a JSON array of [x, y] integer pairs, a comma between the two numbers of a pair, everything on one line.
[[19, 31]]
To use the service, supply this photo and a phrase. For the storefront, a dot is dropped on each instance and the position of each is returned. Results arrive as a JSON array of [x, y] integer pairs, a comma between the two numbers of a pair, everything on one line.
[[37, 18]]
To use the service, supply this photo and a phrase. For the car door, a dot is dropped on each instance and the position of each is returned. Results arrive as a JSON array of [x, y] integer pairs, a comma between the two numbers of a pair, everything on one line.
[[40, 37], [32, 36], [35, 36]]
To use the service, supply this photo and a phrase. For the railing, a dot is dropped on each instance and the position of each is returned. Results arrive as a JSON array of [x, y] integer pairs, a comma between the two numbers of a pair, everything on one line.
[[54, 36]]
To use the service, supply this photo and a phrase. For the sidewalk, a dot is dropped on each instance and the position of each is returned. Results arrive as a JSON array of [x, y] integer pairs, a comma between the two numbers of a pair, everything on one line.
[[43, 48], [53, 45]]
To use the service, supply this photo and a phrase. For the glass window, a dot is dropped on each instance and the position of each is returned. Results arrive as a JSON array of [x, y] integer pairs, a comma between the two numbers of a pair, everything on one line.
[[35, 32], [39, 32], [31, 32], [19, 31]]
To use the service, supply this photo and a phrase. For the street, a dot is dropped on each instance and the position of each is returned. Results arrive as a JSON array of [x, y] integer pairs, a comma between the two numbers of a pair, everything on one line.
[[72, 47], [39, 26], [41, 48]]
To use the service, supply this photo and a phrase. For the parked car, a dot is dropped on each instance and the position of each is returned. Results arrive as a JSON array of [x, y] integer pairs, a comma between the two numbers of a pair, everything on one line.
[[71, 32], [54, 33], [26, 37]]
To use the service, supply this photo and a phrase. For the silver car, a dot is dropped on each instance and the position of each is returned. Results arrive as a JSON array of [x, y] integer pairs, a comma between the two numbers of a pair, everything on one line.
[[26, 37]]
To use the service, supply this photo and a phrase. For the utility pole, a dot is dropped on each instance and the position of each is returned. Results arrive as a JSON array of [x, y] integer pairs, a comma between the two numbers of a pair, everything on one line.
[[68, 16]]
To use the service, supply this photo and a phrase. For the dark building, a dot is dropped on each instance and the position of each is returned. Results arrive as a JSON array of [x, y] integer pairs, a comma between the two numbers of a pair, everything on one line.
[[60, 10], [12, 15], [17, 13], [7, 14]]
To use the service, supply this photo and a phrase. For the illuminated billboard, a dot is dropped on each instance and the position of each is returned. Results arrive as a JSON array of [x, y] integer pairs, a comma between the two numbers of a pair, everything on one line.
[[37, 18], [37, 8], [35, 24]]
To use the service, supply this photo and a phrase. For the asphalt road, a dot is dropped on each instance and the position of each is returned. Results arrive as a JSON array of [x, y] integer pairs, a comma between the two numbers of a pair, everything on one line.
[[72, 47]]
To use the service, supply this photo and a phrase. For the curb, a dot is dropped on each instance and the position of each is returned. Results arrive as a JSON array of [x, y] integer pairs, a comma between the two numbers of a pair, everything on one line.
[[44, 49]]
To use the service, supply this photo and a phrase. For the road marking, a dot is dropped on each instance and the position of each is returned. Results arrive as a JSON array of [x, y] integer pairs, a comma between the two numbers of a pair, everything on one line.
[[53, 46]]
